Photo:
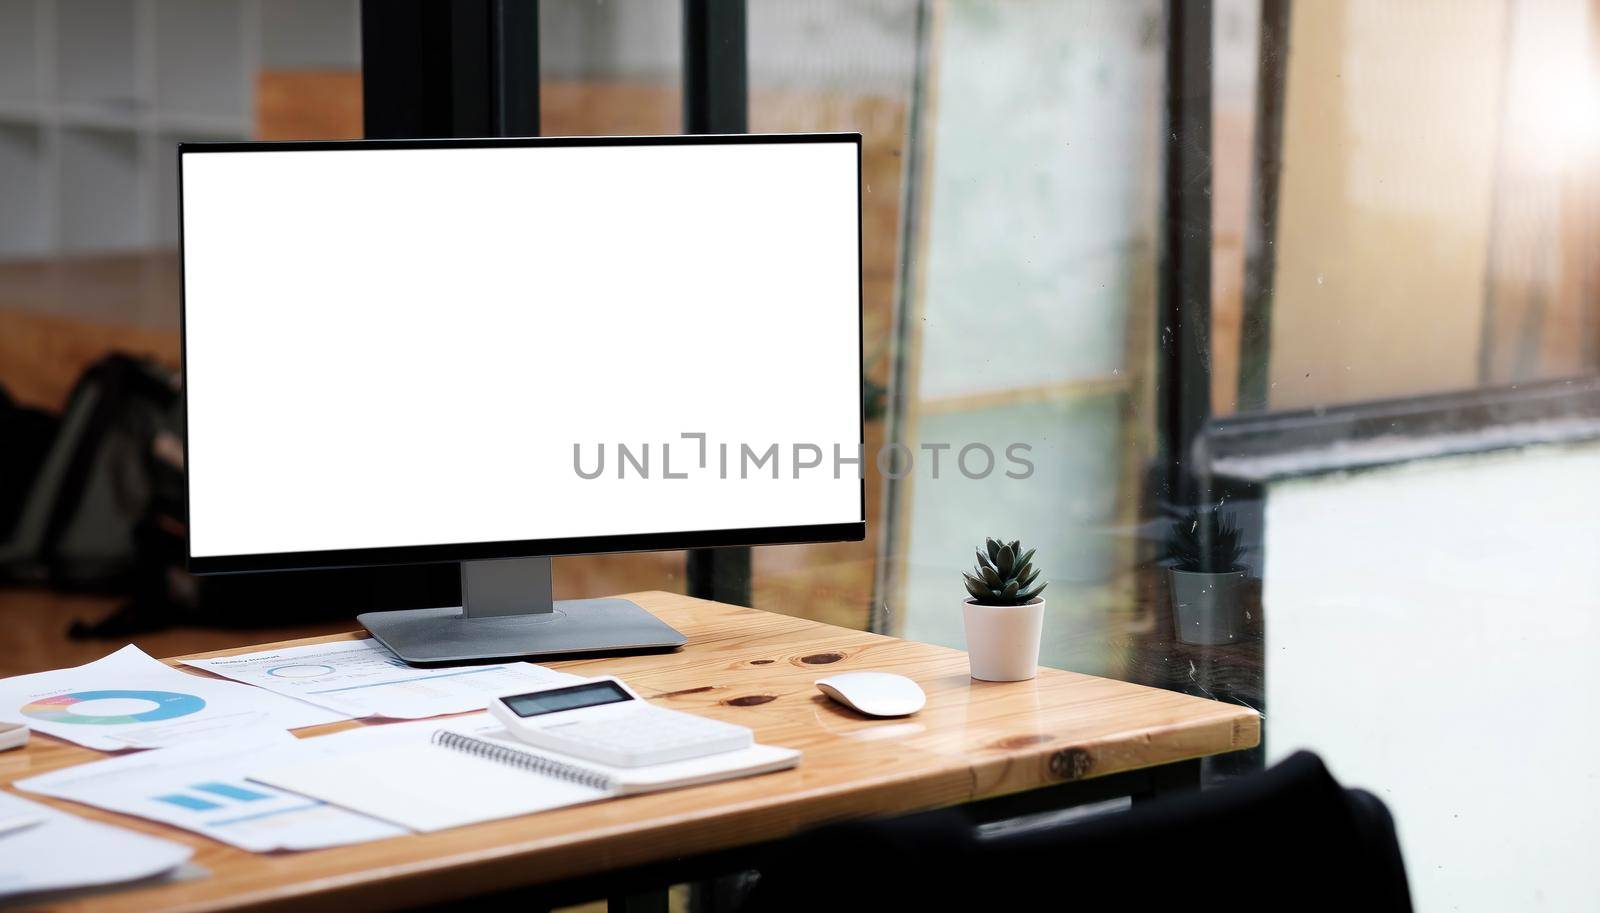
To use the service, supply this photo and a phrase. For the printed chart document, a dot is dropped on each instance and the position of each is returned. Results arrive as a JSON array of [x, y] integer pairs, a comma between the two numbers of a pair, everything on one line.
[[202, 787], [362, 678], [65, 851], [128, 700]]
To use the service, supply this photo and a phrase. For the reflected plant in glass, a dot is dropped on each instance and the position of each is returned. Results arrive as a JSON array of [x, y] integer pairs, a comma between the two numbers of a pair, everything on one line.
[[1207, 542], [1207, 577], [1003, 613]]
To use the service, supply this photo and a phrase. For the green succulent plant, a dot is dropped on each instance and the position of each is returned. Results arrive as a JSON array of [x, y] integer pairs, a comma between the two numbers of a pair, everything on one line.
[[1005, 575]]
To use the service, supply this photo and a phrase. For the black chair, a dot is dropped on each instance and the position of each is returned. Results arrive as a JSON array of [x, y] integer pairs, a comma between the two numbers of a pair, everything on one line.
[[1289, 838]]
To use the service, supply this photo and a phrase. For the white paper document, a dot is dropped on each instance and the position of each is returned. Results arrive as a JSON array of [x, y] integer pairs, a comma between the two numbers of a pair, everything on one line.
[[65, 851], [202, 787], [362, 678], [128, 700], [400, 773]]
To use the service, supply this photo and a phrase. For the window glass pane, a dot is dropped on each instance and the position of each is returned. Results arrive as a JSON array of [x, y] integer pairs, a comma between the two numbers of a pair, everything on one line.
[[1432, 229], [1032, 307], [610, 67], [827, 66], [94, 97], [1413, 318]]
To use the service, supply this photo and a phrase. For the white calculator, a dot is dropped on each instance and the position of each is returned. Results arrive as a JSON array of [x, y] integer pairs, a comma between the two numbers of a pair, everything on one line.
[[602, 720]]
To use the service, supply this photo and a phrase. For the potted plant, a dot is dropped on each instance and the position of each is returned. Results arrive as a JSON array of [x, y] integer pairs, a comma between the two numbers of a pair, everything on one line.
[[1207, 578], [1004, 614]]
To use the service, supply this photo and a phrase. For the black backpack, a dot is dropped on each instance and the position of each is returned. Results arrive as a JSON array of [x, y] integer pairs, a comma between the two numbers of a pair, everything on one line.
[[25, 436], [76, 517]]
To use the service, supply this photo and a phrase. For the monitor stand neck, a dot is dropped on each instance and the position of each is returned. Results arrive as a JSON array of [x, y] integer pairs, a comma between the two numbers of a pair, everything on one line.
[[513, 586]]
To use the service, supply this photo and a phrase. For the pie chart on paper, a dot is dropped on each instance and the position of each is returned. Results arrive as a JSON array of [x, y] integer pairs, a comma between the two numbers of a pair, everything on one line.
[[113, 707], [300, 670]]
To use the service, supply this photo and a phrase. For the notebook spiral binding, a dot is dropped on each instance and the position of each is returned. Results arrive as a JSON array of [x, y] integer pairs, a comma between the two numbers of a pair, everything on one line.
[[522, 760]]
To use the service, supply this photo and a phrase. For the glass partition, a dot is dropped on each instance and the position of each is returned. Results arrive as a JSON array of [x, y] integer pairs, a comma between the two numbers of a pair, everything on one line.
[[1387, 436]]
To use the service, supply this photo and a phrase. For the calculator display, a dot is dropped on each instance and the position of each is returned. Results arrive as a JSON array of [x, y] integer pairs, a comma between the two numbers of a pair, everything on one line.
[[591, 694]]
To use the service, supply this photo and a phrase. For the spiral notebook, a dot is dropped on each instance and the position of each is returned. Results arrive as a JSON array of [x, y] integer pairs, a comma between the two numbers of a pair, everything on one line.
[[428, 777]]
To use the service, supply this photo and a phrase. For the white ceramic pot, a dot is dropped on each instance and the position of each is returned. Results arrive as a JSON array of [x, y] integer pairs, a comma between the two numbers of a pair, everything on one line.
[[1003, 640]]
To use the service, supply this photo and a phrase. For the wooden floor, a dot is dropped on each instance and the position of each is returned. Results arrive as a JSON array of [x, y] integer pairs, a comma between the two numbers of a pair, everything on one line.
[[34, 624]]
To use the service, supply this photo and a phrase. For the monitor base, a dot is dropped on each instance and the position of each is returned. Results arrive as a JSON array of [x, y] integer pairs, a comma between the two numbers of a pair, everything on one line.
[[507, 613], [445, 635]]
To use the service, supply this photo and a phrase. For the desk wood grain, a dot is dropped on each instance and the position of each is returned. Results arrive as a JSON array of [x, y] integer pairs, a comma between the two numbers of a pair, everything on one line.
[[973, 740]]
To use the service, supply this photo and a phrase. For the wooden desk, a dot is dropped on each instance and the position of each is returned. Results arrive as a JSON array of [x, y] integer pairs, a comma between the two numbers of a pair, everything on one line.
[[974, 741]]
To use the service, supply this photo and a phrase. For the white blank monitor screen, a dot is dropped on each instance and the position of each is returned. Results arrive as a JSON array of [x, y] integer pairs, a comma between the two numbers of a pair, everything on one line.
[[417, 346]]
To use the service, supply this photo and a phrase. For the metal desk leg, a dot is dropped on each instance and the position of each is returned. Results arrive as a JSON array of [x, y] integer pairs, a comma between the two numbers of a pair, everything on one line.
[[1178, 777], [724, 894], [647, 902]]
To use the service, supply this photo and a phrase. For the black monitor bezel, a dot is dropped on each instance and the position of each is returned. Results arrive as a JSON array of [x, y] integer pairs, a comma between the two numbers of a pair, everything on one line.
[[522, 548]]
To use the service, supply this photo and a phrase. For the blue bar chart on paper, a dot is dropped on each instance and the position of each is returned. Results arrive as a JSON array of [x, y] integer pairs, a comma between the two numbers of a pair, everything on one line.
[[202, 787]]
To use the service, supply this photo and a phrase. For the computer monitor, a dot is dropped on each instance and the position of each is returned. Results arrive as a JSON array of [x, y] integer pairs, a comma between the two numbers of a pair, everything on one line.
[[495, 351]]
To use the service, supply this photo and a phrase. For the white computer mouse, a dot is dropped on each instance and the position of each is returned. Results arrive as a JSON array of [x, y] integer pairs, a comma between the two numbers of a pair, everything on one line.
[[874, 693]]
